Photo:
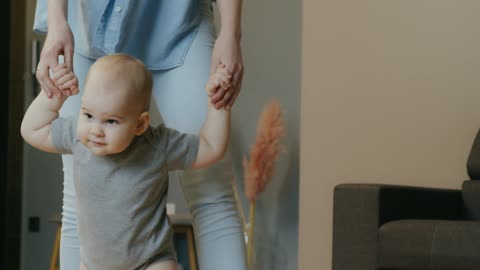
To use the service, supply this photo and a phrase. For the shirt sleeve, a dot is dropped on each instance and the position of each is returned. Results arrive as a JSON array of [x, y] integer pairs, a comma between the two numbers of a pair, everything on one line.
[[180, 149], [64, 134]]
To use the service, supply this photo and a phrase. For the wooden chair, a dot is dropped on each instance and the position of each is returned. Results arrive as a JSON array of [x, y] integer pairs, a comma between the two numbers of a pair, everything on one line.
[[54, 263], [181, 224]]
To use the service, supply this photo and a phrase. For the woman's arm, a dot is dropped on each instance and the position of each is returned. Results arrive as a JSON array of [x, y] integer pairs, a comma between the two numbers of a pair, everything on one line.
[[227, 50], [230, 17], [59, 41]]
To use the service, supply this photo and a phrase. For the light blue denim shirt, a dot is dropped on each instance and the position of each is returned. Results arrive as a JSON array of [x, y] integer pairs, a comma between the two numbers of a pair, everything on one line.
[[158, 32]]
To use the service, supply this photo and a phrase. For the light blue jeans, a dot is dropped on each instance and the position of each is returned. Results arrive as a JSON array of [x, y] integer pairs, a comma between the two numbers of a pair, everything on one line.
[[181, 100]]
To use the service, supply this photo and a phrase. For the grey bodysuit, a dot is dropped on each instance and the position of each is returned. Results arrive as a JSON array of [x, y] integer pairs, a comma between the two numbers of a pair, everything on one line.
[[121, 198]]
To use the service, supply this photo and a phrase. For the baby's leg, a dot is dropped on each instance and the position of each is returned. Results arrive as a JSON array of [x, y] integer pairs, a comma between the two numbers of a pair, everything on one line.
[[82, 266], [162, 265]]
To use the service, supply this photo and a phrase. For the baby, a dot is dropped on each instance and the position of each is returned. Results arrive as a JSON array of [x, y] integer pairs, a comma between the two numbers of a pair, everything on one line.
[[121, 163]]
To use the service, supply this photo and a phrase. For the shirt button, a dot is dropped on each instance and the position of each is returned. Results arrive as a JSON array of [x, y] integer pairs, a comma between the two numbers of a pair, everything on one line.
[[118, 9]]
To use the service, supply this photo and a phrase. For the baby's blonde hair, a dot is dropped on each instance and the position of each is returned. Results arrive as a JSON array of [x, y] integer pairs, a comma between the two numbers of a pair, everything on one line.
[[130, 70]]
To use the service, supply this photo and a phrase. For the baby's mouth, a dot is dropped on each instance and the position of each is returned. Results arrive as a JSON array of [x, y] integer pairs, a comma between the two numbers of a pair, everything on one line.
[[95, 143]]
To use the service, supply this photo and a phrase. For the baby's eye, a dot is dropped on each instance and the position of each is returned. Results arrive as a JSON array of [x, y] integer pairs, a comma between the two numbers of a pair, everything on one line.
[[89, 116], [112, 122]]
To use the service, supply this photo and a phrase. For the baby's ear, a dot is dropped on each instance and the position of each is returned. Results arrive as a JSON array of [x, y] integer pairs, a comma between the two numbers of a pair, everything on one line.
[[142, 124]]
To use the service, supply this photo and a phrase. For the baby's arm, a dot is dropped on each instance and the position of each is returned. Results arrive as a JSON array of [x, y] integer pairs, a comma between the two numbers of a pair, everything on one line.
[[36, 124], [38, 119], [215, 132]]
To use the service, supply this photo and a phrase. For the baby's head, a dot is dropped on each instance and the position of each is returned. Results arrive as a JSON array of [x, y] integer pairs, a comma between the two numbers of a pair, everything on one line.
[[114, 104]]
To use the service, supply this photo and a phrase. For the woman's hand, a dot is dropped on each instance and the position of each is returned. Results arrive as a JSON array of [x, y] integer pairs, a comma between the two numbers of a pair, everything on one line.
[[59, 41], [227, 51]]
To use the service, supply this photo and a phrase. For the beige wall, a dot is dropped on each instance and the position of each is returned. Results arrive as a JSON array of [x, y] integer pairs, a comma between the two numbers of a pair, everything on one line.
[[390, 94]]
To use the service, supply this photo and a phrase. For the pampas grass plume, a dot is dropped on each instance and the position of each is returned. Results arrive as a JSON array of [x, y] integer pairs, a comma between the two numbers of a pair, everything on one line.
[[258, 170]]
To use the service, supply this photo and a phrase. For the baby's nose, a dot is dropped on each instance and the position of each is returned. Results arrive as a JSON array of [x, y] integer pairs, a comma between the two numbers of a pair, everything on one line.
[[96, 131]]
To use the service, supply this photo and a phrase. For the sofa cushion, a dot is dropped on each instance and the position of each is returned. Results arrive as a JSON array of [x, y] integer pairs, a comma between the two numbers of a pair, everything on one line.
[[471, 198], [429, 244]]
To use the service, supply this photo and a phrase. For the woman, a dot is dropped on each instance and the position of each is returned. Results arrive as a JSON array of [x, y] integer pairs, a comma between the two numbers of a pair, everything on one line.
[[177, 42]]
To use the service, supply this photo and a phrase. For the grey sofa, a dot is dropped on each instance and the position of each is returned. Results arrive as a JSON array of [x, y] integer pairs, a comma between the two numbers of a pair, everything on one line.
[[387, 227]]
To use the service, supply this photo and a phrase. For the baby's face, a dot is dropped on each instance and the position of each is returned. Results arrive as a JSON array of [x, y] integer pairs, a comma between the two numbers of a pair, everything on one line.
[[107, 122]]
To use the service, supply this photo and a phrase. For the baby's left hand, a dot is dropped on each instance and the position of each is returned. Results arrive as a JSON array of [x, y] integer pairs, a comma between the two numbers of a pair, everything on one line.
[[220, 79], [65, 79]]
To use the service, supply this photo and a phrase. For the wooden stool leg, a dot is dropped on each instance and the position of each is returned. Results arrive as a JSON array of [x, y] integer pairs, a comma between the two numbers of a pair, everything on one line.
[[191, 249], [56, 248]]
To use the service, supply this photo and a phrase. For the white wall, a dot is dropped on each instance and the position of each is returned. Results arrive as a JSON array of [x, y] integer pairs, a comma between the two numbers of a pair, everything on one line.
[[42, 184], [271, 49], [390, 94]]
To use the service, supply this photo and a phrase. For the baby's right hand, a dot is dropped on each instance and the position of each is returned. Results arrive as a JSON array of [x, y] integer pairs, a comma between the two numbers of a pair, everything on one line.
[[65, 79]]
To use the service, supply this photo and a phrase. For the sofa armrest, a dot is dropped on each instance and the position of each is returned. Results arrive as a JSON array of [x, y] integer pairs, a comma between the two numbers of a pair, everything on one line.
[[360, 209], [471, 196]]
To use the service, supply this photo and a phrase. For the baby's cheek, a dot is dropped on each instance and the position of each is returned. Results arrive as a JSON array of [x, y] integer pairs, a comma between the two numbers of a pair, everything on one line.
[[82, 133], [120, 141]]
